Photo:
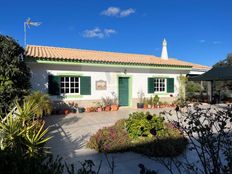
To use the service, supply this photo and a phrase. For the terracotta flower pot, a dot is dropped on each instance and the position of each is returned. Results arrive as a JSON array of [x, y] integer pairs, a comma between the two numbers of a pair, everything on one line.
[[107, 108], [114, 107], [92, 109], [99, 109], [87, 109], [145, 107], [66, 112], [155, 107]]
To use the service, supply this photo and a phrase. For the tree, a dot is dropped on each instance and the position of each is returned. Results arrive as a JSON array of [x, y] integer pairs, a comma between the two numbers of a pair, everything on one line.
[[225, 62], [14, 73]]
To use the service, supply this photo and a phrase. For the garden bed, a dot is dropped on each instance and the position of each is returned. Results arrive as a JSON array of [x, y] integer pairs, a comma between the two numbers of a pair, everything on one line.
[[141, 133]]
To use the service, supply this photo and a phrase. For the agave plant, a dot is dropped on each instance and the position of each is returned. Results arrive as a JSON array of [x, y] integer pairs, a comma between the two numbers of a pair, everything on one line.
[[10, 132], [35, 140], [27, 111], [43, 102]]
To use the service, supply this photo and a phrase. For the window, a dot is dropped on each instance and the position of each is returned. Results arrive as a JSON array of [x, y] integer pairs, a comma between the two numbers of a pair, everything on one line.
[[70, 85], [160, 85]]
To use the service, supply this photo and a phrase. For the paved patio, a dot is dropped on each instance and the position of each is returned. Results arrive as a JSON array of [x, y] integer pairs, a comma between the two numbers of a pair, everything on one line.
[[70, 134]]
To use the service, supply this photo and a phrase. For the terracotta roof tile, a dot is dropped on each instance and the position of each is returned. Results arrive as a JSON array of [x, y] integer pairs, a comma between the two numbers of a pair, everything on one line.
[[35, 51]]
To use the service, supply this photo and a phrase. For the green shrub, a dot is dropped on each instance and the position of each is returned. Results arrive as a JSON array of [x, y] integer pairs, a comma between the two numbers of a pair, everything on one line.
[[168, 142], [156, 100], [110, 139], [140, 124]]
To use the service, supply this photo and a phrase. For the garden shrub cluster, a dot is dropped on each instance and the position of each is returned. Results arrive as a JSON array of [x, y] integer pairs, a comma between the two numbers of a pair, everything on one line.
[[110, 139], [142, 133], [140, 124]]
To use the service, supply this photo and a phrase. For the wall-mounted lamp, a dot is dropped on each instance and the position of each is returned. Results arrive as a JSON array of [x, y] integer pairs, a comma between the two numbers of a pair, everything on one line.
[[125, 71]]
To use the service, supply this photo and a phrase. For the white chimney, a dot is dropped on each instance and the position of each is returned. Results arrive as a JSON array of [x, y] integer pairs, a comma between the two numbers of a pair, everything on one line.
[[164, 54]]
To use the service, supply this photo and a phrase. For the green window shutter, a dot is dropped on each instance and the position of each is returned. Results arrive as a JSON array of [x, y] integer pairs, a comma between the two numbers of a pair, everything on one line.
[[53, 85], [150, 85], [85, 85], [170, 85]]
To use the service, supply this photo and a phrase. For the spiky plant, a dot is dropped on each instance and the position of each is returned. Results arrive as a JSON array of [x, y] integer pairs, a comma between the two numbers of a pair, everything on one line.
[[43, 101], [35, 140], [10, 132], [26, 111]]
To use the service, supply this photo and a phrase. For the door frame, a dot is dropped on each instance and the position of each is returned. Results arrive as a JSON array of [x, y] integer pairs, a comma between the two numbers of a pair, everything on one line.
[[129, 90]]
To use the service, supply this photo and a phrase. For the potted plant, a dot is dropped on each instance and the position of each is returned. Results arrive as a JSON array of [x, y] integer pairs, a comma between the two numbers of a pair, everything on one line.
[[145, 101], [73, 107], [156, 101], [114, 106], [140, 97], [93, 109], [88, 109], [66, 111], [150, 102], [81, 109], [161, 104], [99, 107], [107, 102]]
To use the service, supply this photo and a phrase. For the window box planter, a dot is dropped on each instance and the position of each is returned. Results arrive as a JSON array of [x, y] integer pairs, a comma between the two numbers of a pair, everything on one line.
[[140, 105], [114, 107]]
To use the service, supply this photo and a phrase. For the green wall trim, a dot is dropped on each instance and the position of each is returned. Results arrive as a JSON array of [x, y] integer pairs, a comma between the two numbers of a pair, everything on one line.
[[130, 87], [160, 76], [106, 64], [69, 74]]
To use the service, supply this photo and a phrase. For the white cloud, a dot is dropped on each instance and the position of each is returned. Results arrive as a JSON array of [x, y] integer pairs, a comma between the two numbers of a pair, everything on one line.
[[216, 42], [127, 12], [202, 41], [111, 11], [117, 12], [98, 33], [108, 32]]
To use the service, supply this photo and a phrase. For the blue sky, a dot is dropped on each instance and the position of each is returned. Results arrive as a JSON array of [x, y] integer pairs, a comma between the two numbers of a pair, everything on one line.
[[198, 31]]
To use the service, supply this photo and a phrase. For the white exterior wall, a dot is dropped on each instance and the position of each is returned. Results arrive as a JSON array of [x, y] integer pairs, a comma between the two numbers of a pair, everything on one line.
[[40, 72]]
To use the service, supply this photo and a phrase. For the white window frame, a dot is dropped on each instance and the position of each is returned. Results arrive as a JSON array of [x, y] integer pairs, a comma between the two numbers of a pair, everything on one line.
[[69, 87], [159, 85]]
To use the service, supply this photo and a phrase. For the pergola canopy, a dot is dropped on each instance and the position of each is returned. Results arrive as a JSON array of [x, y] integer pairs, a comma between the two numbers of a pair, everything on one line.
[[215, 74]]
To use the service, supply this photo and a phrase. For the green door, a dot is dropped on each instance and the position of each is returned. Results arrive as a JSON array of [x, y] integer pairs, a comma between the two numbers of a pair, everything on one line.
[[123, 84]]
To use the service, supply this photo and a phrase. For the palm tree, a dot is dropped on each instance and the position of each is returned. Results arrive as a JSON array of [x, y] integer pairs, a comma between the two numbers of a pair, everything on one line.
[[43, 101]]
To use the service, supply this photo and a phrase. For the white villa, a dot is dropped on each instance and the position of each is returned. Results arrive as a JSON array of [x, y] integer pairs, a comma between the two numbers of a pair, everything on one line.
[[85, 76]]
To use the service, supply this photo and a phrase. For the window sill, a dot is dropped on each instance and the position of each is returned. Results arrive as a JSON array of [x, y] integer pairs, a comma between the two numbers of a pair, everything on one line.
[[69, 96]]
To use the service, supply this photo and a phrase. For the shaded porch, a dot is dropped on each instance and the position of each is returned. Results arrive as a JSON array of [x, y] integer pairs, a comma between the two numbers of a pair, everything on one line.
[[219, 85]]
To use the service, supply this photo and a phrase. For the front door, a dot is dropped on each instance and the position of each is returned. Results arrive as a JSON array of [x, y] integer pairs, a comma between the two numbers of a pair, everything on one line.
[[123, 85]]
